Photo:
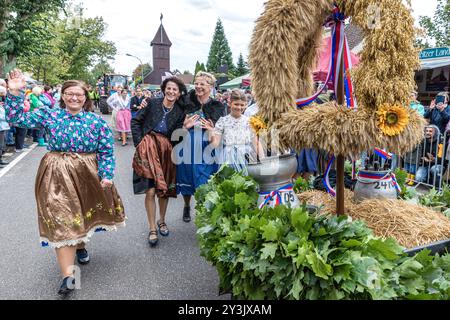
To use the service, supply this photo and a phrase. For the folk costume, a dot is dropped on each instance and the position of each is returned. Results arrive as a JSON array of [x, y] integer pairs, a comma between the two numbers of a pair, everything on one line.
[[121, 113], [237, 142], [152, 130], [72, 205], [196, 162]]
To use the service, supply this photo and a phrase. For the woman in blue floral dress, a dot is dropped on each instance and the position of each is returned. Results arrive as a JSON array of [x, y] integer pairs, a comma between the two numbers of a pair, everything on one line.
[[74, 191]]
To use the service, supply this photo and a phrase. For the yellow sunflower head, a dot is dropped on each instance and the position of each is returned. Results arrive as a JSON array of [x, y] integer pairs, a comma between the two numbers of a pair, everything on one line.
[[392, 119], [257, 124]]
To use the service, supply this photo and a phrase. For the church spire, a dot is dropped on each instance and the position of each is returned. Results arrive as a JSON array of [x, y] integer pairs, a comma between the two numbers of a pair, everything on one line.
[[161, 37]]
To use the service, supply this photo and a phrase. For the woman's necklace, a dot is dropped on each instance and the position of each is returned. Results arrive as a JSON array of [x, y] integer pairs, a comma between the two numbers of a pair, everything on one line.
[[166, 110]]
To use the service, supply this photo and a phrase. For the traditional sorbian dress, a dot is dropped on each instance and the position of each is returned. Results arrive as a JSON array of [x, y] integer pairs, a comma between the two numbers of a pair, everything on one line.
[[71, 203]]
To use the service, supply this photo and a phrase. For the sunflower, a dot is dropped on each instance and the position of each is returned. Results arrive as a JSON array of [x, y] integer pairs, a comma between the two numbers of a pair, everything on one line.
[[257, 124], [392, 119]]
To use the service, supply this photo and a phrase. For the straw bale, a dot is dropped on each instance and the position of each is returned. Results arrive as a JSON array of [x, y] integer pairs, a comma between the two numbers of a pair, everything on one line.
[[411, 225]]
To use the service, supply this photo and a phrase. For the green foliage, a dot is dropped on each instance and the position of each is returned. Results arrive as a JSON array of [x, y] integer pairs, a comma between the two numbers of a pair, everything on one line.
[[24, 28], [199, 67], [438, 27], [406, 193], [220, 52], [242, 67], [73, 49], [285, 253], [437, 200], [99, 70], [137, 73], [301, 185]]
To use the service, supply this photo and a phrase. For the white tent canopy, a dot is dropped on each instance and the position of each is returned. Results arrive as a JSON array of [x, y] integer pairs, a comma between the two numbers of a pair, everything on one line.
[[434, 63]]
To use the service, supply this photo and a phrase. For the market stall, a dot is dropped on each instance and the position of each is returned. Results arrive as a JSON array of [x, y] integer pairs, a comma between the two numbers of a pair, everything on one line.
[[235, 83], [434, 74]]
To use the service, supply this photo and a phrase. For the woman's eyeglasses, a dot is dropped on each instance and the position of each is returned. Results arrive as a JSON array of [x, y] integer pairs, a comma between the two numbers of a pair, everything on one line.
[[76, 95]]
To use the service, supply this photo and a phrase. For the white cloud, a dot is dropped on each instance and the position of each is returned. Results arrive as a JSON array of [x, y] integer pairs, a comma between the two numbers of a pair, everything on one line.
[[190, 25]]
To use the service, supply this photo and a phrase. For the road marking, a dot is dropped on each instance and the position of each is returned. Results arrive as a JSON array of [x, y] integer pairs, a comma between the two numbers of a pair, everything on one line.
[[6, 169]]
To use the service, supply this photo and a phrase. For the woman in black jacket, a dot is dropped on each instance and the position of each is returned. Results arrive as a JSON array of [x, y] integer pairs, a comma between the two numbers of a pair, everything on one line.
[[195, 161], [154, 172]]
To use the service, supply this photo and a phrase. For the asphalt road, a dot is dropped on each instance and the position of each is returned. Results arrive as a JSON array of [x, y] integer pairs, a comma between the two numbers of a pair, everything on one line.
[[122, 266]]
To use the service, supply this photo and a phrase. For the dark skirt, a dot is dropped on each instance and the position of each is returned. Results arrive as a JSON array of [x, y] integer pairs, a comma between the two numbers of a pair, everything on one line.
[[72, 205], [141, 185], [153, 166]]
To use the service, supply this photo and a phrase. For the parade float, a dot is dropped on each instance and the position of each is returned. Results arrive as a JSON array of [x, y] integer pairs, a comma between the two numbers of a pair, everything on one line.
[[351, 248]]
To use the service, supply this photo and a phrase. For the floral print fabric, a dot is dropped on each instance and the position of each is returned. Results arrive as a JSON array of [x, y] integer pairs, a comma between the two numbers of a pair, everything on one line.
[[82, 133]]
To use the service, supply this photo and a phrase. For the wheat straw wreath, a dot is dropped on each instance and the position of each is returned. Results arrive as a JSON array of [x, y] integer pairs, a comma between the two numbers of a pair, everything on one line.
[[284, 51]]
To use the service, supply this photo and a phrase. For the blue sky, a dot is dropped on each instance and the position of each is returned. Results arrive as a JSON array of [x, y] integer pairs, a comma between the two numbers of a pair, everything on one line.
[[190, 25]]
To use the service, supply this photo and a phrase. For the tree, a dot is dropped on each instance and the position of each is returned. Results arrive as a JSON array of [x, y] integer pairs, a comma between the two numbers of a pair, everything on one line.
[[99, 70], [84, 46], [241, 68], [137, 75], [220, 52], [199, 67], [19, 31], [437, 29], [74, 51]]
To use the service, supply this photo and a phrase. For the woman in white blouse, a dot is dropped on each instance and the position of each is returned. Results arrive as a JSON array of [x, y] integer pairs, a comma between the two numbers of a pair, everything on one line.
[[233, 136], [121, 120]]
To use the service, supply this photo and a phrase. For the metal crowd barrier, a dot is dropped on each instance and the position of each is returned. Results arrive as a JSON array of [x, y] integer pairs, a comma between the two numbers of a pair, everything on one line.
[[436, 173], [432, 174]]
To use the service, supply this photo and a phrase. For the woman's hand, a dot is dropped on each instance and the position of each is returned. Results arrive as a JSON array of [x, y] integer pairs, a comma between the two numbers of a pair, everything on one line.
[[16, 82], [433, 104], [207, 124], [106, 183], [143, 105], [190, 122]]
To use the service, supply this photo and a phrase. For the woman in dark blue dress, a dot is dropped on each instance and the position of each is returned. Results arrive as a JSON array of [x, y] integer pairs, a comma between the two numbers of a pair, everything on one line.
[[196, 161]]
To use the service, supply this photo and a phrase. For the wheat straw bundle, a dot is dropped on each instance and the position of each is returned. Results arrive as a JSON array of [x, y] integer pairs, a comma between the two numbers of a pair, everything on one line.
[[411, 225], [283, 53]]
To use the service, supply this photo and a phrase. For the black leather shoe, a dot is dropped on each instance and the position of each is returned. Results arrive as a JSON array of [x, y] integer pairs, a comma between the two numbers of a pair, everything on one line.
[[83, 256], [67, 286], [187, 214]]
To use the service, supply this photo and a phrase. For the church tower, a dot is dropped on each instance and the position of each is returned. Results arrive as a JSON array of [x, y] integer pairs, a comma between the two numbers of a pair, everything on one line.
[[161, 56]]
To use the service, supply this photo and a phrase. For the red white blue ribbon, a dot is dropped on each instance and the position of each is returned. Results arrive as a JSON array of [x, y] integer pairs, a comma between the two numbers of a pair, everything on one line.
[[383, 154], [339, 49], [326, 179], [275, 195], [396, 185]]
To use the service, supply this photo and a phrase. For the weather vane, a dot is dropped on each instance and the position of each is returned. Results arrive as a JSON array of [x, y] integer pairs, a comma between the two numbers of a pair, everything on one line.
[[161, 17]]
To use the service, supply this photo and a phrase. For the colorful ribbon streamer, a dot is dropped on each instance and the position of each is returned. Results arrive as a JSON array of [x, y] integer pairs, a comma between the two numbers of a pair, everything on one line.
[[269, 196], [383, 154], [326, 179], [339, 49]]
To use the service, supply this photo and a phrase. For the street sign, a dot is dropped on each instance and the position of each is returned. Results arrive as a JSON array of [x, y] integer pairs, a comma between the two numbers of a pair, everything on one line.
[[435, 53]]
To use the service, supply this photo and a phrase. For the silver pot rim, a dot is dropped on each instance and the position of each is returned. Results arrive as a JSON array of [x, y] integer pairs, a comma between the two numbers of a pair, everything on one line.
[[269, 159]]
